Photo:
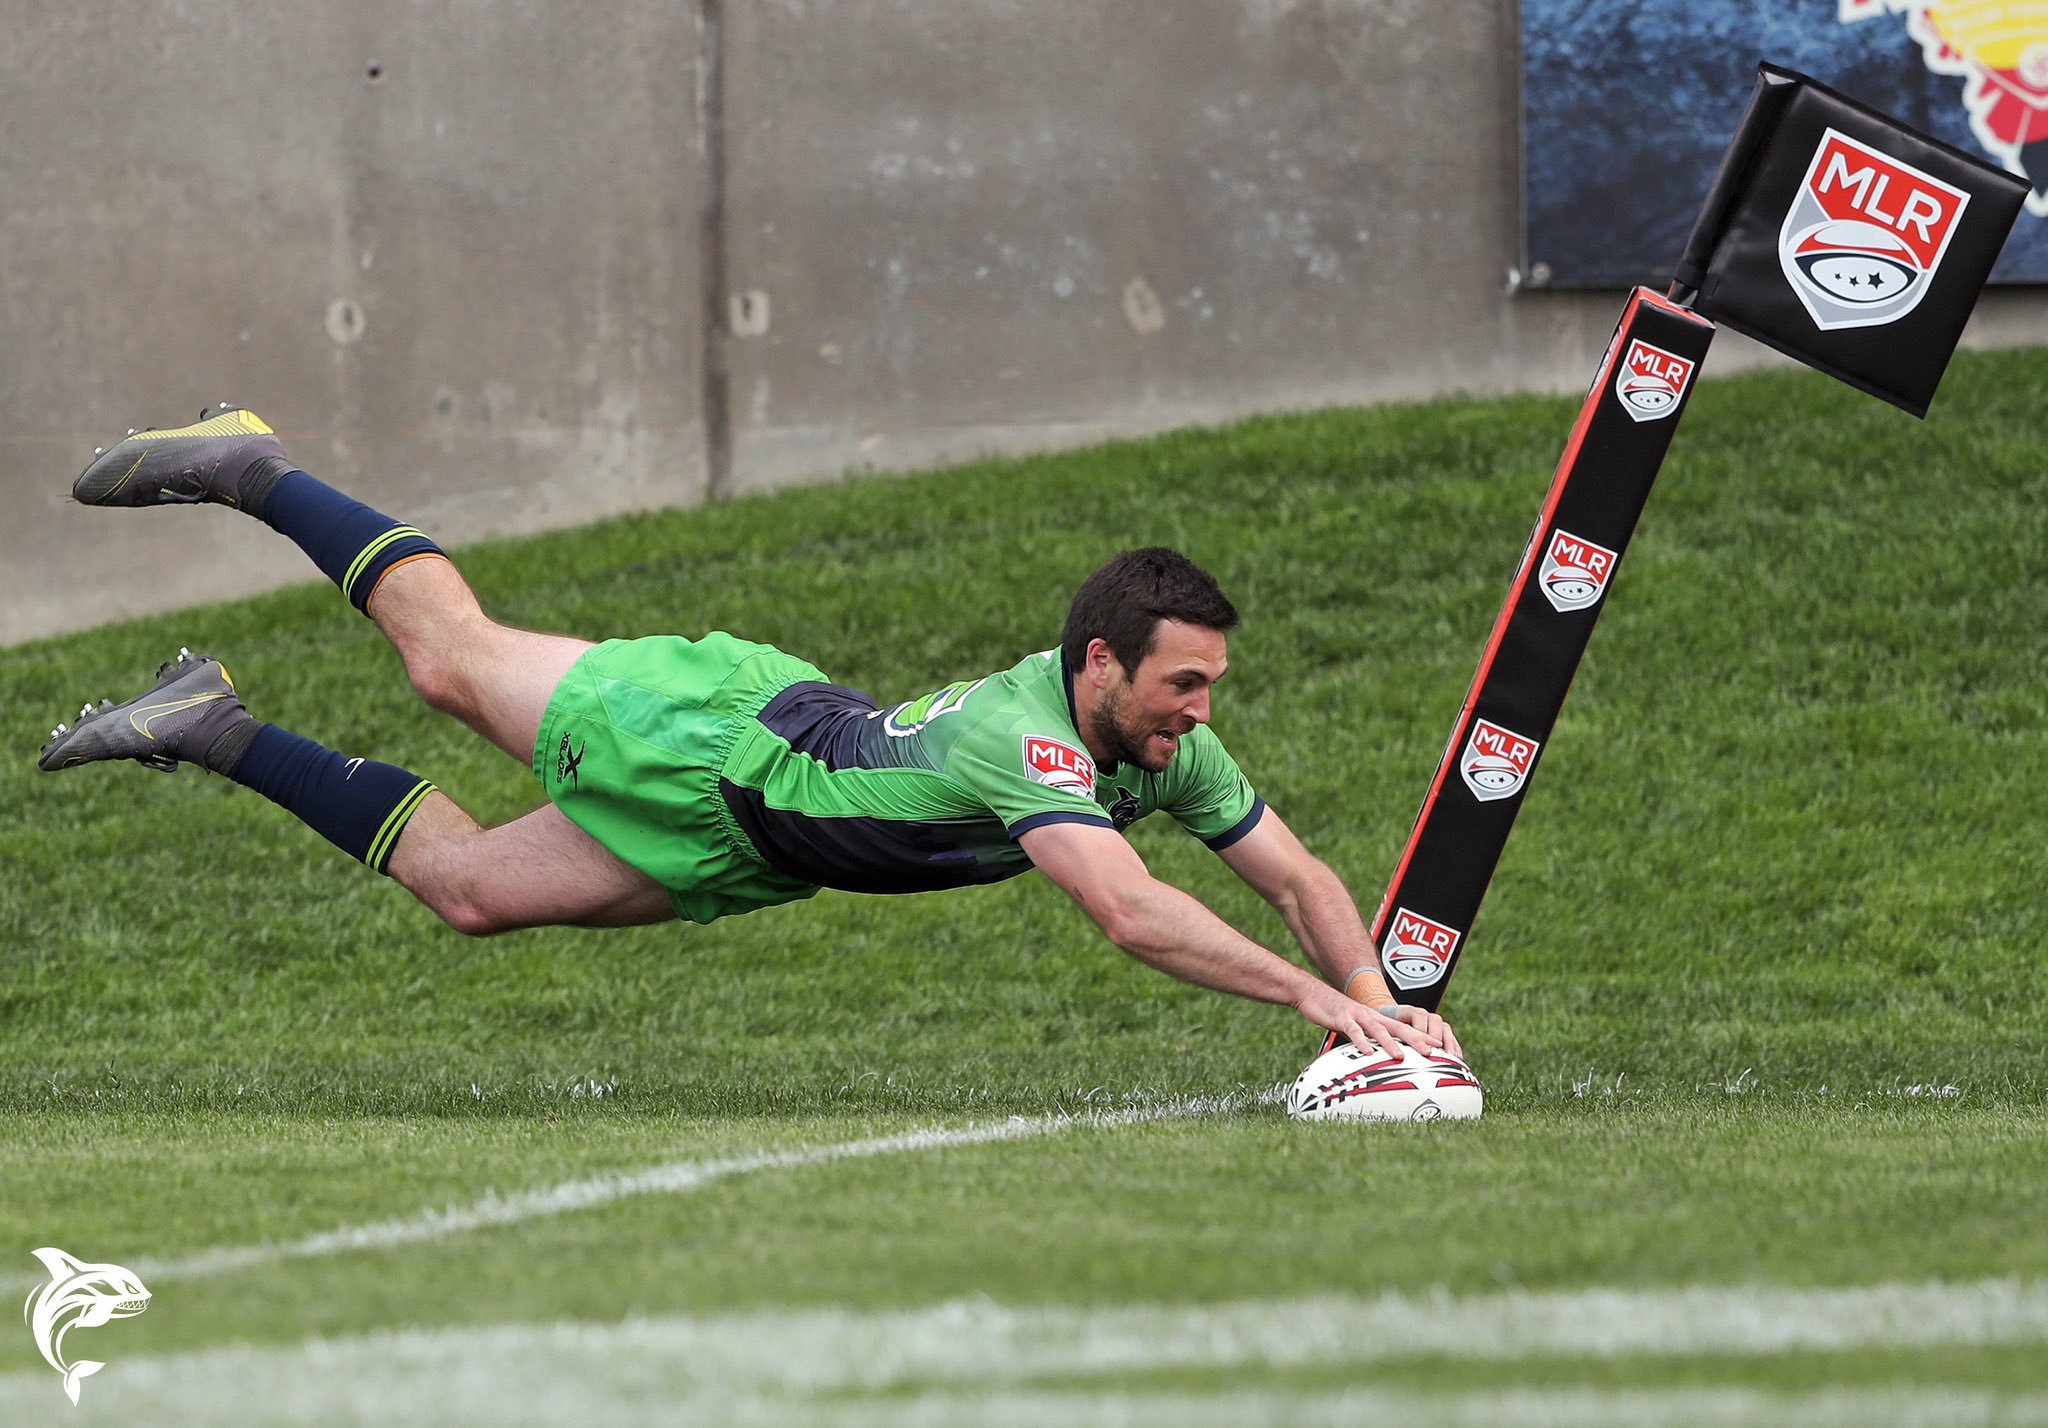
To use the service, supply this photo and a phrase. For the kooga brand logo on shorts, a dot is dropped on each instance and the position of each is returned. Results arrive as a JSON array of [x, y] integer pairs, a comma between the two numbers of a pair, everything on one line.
[[1865, 235]]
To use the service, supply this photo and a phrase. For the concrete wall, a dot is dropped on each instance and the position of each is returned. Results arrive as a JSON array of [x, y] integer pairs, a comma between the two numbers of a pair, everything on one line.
[[451, 251], [496, 265]]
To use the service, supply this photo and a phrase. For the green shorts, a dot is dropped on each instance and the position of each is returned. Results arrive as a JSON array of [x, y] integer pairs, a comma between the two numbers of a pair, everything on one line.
[[631, 747]]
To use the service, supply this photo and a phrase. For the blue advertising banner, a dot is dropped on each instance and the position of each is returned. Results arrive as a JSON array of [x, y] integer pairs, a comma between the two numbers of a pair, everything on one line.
[[1627, 108]]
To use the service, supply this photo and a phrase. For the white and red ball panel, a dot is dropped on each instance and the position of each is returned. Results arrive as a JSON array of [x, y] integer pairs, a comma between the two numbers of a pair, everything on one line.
[[1349, 1084]]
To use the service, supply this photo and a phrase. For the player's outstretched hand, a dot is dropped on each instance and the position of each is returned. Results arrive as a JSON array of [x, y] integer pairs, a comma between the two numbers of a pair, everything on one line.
[[1430, 1024], [1333, 1011]]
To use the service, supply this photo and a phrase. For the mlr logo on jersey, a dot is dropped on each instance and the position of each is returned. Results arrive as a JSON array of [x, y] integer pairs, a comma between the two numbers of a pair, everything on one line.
[[1496, 761], [1060, 766], [1865, 235], [1575, 571], [1651, 381], [1418, 949]]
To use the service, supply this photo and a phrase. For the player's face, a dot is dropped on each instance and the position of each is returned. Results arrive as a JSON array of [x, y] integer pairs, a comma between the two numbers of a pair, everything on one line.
[[1143, 716]]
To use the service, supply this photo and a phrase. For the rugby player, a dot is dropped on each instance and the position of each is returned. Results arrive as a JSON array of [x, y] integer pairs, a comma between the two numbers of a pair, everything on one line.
[[701, 778]]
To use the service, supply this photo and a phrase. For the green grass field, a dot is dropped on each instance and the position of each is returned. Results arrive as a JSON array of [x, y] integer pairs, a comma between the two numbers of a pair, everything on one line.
[[1757, 994]]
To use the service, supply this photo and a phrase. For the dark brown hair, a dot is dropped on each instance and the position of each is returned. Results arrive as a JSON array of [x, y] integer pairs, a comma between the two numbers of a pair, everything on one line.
[[1125, 600]]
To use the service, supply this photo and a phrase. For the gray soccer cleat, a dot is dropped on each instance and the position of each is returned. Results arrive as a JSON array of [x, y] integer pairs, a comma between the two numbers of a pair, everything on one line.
[[176, 720], [207, 461]]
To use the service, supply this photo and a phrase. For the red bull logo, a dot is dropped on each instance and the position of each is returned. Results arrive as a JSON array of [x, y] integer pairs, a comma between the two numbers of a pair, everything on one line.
[[1999, 49], [1651, 381], [1417, 950], [1865, 235], [1574, 572], [1496, 761]]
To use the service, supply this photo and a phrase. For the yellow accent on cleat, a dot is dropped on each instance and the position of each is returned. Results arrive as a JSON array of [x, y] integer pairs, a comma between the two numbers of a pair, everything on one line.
[[230, 423]]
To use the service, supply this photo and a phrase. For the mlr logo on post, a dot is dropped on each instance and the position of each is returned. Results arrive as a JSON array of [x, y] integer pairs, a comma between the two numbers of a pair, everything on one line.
[[1651, 381], [1418, 949], [1060, 766], [1496, 761], [1575, 571], [1865, 235]]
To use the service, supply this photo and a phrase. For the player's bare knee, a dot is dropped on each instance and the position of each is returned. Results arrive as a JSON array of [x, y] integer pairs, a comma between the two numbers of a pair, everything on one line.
[[437, 677], [451, 896], [469, 917]]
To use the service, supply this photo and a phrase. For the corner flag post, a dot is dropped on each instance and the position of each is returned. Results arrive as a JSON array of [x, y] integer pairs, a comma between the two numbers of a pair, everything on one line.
[[1616, 446], [1832, 233]]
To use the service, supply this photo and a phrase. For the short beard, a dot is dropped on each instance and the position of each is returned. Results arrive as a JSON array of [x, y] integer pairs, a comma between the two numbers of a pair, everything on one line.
[[1107, 725]]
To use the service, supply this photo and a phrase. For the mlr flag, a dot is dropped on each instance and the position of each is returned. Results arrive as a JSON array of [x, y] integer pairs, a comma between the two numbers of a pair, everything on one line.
[[1846, 240], [1832, 233]]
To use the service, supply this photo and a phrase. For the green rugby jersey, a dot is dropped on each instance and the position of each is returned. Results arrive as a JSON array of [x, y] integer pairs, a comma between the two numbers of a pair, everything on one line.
[[933, 793]]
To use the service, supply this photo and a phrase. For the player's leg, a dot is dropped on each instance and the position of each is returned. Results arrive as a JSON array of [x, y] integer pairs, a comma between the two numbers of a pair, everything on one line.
[[494, 678], [194, 715], [539, 870], [231, 457]]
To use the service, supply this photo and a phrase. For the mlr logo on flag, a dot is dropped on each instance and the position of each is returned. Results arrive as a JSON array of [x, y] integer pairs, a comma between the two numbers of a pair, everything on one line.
[[1418, 949], [1651, 381], [1865, 235], [1496, 761]]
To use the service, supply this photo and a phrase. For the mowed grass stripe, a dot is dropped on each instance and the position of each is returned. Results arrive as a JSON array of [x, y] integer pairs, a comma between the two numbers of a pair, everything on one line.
[[489, 1401], [496, 1210], [981, 1361]]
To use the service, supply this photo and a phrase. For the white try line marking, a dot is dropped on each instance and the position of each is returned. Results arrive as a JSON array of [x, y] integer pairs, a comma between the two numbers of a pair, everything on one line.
[[979, 1362], [676, 1178]]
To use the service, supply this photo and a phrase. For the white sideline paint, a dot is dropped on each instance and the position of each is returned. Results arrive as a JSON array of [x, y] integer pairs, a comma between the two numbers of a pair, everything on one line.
[[675, 1178], [678, 1177], [974, 1361]]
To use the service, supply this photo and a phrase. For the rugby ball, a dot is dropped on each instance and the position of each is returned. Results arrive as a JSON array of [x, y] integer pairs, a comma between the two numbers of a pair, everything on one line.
[[1348, 1084]]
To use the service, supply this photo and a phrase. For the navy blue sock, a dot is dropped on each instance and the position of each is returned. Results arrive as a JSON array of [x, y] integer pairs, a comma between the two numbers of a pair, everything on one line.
[[353, 545], [358, 806]]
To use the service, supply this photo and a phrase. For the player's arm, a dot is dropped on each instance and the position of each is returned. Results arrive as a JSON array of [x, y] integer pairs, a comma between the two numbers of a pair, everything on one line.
[[1165, 928], [1319, 911]]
